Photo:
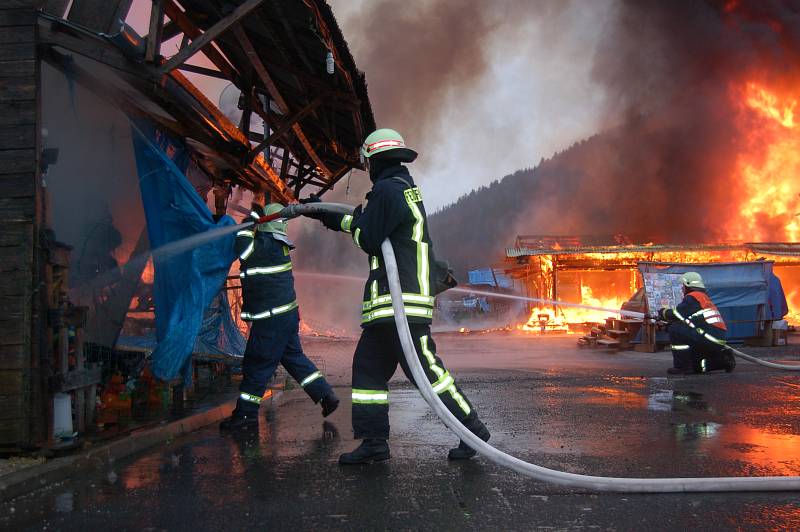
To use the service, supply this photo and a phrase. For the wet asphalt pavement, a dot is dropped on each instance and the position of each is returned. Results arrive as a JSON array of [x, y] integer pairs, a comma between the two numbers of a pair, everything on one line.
[[545, 401]]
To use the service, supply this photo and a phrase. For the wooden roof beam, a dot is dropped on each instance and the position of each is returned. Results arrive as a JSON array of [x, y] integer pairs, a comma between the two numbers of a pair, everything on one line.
[[286, 126], [212, 33], [187, 26], [203, 71], [261, 70], [156, 31], [333, 179]]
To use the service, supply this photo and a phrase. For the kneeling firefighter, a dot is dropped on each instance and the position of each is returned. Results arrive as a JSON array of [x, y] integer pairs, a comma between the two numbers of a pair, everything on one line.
[[395, 210], [697, 331], [270, 304]]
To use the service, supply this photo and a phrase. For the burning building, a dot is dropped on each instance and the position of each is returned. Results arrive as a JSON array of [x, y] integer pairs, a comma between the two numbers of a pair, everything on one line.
[[608, 276]]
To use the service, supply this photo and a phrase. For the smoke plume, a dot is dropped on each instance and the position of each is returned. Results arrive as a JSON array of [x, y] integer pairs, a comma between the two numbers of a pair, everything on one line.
[[672, 74], [665, 163]]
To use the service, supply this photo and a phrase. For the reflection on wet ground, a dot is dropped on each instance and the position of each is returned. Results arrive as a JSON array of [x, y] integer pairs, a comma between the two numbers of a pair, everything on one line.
[[284, 475]]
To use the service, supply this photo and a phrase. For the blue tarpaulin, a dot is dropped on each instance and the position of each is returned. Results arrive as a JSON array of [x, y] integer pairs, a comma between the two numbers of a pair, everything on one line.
[[185, 283], [741, 291], [777, 308], [489, 277]]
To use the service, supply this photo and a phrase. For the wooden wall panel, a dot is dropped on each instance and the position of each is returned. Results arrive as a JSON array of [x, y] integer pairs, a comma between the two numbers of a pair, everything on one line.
[[20, 380]]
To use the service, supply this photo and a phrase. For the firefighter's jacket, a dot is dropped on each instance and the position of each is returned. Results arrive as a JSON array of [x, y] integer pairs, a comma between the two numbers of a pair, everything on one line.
[[394, 209], [265, 272], [699, 312]]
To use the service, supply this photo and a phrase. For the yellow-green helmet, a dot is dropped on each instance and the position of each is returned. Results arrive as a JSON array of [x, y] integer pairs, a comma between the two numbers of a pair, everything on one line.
[[692, 280], [387, 140], [275, 226]]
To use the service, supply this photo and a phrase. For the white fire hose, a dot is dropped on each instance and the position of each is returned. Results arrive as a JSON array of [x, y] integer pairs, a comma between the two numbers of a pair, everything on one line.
[[572, 480]]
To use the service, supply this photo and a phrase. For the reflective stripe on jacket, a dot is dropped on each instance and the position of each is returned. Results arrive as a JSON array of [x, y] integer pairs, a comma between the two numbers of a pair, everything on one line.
[[708, 312], [395, 210], [266, 273]]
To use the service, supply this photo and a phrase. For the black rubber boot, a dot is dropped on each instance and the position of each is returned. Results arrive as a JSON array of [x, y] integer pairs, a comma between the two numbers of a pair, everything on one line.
[[464, 451], [329, 403], [239, 422], [680, 371], [370, 450]]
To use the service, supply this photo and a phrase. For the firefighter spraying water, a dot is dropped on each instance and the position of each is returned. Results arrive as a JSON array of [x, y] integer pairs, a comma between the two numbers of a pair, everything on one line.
[[271, 306], [395, 211]]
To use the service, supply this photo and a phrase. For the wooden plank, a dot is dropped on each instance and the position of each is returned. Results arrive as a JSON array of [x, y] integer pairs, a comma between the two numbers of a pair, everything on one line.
[[12, 381], [79, 379], [156, 31], [13, 431], [17, 17], [263, 74], [10, 262], [12, 235], [99, 16], [19, 88], [17, 137], [14, 356], [17, 35], [17, 162], [186, 25], [17, 113], [202, 70], [55, 7], [11, 406], [17, 51], [14, 283], [17, 68], [93, 48], [209, 35], [285, 127]]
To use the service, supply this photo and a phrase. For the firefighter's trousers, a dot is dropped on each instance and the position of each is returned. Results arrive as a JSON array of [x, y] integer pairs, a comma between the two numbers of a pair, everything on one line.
[[375, 361], [276, 341], [690, 350]]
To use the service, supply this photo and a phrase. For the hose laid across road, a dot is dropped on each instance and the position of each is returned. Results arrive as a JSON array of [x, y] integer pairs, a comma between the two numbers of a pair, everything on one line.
[[767, 363], [572, 480]]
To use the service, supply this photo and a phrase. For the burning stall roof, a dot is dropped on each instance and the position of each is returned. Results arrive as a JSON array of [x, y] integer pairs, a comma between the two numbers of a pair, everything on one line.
[[591, 271], [534, 247], [288, 59]]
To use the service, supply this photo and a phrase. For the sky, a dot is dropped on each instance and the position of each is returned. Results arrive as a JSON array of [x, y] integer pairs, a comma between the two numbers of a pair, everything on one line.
[[479, 88]]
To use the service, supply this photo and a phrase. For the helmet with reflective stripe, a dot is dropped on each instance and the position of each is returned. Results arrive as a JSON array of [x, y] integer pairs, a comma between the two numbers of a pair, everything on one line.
[[389, 142], [692, 280], [275, 226]]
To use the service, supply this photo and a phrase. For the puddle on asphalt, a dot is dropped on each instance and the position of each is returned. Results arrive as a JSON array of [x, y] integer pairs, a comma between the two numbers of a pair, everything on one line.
[[777, 452], [765, 448], [656, 400], [667, 400]]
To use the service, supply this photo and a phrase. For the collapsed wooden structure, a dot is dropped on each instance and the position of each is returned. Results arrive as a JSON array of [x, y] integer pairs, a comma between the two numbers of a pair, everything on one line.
[[292, 67]]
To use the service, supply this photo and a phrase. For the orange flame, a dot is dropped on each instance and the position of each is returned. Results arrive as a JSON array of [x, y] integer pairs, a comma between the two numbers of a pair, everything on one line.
[[544, 320], [769, 168]]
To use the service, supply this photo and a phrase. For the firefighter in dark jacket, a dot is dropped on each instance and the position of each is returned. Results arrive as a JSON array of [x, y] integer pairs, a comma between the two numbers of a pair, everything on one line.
[[270, 304], [696, 331], [394, 209]]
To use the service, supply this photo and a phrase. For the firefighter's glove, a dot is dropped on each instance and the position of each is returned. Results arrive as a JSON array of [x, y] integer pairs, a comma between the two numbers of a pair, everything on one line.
[[662, 314]]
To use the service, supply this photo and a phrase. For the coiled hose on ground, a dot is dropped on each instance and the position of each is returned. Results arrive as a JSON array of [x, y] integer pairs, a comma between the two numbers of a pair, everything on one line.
[[572, 480]]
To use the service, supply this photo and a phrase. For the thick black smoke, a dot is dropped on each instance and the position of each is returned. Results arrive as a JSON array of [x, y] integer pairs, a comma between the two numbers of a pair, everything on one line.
[[665, 165]]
